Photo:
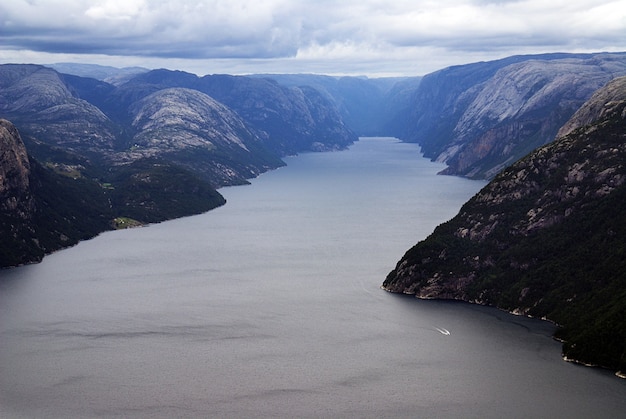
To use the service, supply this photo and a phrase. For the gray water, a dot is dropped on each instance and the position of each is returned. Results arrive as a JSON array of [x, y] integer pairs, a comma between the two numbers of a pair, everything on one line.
[[270, 307]]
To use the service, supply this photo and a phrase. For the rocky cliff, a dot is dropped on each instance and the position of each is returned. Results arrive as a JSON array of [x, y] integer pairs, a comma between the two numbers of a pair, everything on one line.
[[546, 238], [481, 117], [14, 173], [16, 201], [151, 148], [107, 124], [36, 217], [47, 207]]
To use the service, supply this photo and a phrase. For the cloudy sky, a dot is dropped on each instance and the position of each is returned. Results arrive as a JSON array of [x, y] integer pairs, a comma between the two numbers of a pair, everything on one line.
[[354, 37]]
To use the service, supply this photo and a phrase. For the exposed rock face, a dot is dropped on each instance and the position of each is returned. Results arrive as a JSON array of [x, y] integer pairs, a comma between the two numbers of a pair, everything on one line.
[[180, 120], [150, 149], [15, 195], [546, 238], [38, 101], [225, 129], [602, 102], [169, 118], [482, 117]]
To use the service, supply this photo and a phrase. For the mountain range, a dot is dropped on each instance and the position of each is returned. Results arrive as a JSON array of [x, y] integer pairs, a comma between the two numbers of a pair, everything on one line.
[[479, 118], [84, 149]]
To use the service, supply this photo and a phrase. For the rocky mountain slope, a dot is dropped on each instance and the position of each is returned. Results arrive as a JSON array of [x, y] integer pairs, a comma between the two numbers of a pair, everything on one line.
[[481, 117], [287, 120], [187, 127], [370, 107], [31, 221], [14, 173], [96, 119], [147, 150], [546, 238], [46, 207], [39, 102]]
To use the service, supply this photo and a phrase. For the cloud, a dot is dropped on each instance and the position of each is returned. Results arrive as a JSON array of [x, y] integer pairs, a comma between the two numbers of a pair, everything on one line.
[[320, 33]]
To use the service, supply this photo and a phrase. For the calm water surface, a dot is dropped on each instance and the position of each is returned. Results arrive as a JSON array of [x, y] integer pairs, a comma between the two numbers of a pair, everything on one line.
[[270, 307]]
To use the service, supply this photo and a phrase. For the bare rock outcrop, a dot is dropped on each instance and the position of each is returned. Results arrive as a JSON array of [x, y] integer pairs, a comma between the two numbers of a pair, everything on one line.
[[482, 117], [15, 197]]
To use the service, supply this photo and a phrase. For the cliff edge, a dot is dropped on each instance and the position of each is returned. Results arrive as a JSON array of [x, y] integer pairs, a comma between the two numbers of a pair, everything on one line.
[[546, 238]]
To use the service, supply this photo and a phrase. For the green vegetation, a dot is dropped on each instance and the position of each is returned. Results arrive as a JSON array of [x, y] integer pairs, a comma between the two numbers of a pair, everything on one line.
[[64, 211], [546, 238], [151, 191], [67, 209], [120, 223]]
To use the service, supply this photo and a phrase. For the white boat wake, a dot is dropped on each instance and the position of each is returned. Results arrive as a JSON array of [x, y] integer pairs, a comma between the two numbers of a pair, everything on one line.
[[443, 331]]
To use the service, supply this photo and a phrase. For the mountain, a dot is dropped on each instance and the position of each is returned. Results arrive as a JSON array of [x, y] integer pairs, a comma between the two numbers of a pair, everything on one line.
[[370, 107], [40, 103], [37, 214], [15, 198], [479, 118], [46, 207], [112, 75], [294, 118], [287, 120], [155, 147], [228, 128], [545, 238], [192, 130]]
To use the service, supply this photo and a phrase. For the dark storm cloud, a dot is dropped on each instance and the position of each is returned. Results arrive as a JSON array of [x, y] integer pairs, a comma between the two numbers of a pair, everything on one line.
[[346, 34]]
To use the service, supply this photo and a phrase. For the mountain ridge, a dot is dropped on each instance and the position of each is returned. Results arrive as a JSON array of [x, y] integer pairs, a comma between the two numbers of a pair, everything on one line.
[[544, 238], [496, 112], [147, 150]]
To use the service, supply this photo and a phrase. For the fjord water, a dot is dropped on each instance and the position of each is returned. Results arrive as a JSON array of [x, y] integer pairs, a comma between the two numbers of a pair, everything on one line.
[[270, 307]]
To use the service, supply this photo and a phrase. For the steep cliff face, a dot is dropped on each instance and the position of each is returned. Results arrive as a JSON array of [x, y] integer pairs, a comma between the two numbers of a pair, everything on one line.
[[17, 206], [601, 103], [14, 172], [482, 117], [547, 238], [40, 211]]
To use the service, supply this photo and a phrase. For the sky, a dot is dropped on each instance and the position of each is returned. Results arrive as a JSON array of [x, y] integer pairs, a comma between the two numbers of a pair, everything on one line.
[[374, 38]]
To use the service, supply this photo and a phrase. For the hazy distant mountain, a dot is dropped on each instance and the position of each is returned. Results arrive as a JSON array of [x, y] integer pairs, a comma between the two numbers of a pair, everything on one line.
[[293, 119], [369, 106], [479, 118], [112, 75], [546, 237]]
